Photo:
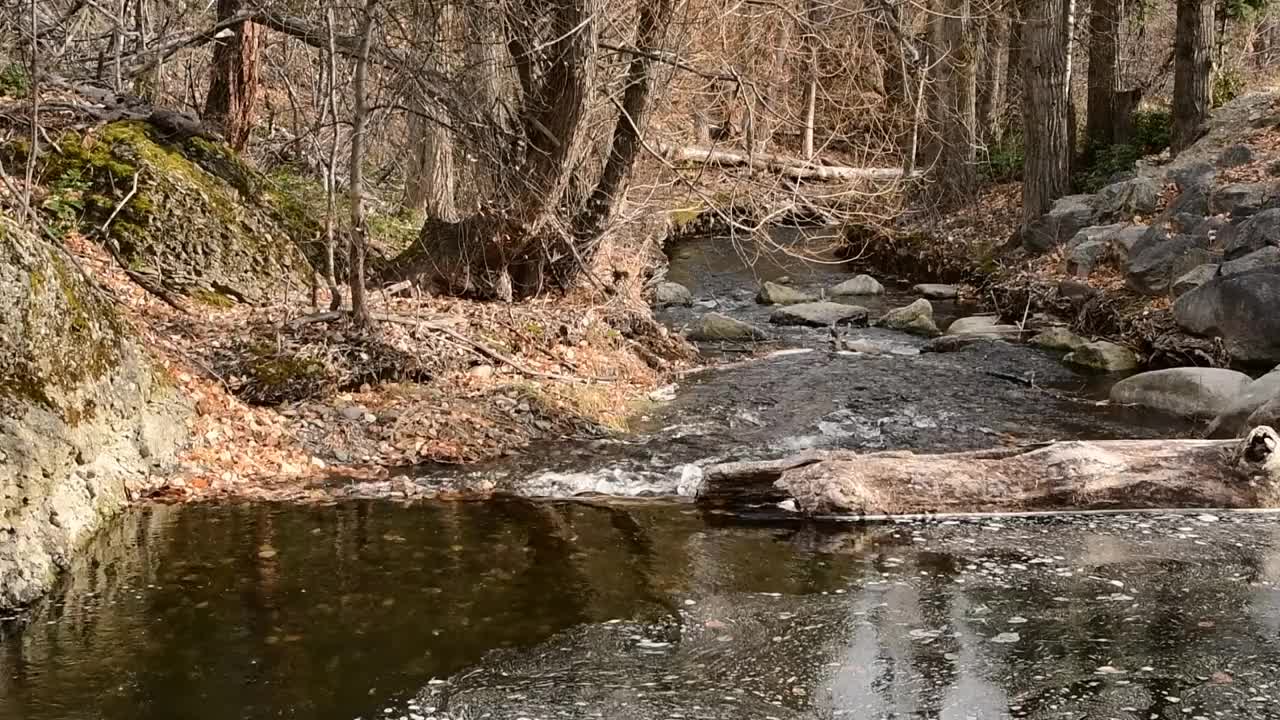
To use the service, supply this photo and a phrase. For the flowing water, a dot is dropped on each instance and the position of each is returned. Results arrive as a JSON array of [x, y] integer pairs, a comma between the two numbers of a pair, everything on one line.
[[656, 608]]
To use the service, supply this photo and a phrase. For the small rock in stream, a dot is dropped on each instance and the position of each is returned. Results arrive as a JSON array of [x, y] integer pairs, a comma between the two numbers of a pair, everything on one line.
[[666, 294], [1103, 356], [936, 291], [818, 314], [858, 285], [916, 318], [714, 326], [772, 293]]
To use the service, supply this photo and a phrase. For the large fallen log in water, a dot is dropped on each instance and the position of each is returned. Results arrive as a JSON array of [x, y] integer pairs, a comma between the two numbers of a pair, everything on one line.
[[1113, 474]]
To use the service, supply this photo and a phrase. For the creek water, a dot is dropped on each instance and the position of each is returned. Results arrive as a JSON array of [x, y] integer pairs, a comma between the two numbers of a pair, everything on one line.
[[648, 607]]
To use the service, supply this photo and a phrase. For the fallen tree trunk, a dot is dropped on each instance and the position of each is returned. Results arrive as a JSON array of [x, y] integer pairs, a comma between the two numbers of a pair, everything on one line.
[[779, 164], [1115, 474]]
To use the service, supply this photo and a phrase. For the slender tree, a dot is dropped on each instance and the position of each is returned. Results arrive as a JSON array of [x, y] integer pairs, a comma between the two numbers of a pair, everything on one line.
[[230, 103], [1046, 104], [430, 181], [1192, 71], [992, 67], [359, 239], [953, 86], [1104, 58]]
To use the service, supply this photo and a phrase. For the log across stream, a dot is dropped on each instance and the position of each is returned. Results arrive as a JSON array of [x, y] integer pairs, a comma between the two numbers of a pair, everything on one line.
[[1073, 475]]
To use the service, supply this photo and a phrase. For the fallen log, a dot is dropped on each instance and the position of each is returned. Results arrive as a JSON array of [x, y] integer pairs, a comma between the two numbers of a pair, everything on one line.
[[778, 164], [1075, 475]]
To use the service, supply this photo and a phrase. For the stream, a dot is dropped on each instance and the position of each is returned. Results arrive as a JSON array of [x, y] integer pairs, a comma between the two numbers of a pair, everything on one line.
[[604, 593]]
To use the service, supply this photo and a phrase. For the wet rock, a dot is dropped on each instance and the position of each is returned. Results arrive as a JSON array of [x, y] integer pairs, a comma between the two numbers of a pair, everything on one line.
[[916, 318], [1238, 200], [1235, 156], [1152, 271], [774, 294], [1257, 232], [1135, 196], [863, 346], [1068, 216], [1235, 419], [1241, 309], [858, 285], [985, 326], [956, 343], [1103, 356], [1255, 260], [667, 294], [818, 314], [1186, 391], [714, 326], [936, 291], [1060, 339], [1193, 279]]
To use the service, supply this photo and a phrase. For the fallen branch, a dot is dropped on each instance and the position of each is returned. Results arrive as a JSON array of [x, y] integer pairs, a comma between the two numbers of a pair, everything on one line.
[[779, 164], [1075, 475]]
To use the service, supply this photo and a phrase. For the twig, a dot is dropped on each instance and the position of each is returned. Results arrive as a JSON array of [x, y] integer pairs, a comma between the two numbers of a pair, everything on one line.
[[128, 196]]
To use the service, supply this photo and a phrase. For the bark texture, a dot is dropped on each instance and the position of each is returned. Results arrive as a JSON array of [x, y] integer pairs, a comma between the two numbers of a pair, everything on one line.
[[992, 67], [1046, 104], [1192, 71], [430, 179], [230, 103], [952, 108], [1104, 58], [1119, 474]]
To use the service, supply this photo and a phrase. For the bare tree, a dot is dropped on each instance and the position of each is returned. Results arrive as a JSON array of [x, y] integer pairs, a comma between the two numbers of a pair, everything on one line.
[[430, 180], [1104, 59], [1046, 103], [952, 111], [993, 58], [233, 86], [359, 238], [1192, 71]]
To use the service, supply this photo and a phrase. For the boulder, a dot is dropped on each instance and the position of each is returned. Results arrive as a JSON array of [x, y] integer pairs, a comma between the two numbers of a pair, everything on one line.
[[1193, 279], [1258, 259], [1127, 239], [1238, 200], [1094, 233], [1103, 356], [1067, 217], [1152, 270], [1075, 291], [1259, 231], [1135, 196], [1192, 175], [818, 314], [1083, 258], [667, 294], [1060, 339], [1234, 420], [1241, 309], [714, 327], [983, 326], [772, 293], [935, 291], [1268, 414], [915, 318], [1192, 202], [1235, 156], [1186, 391], [857, 285]]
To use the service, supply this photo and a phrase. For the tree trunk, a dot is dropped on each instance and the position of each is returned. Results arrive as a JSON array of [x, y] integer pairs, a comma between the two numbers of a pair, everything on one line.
[[1075, 475], [951, 113], [1192, 71], [1104, 59], [430, 179], [811, 44], [1046, 109], [994, 49], [233, 86], [359, 240]]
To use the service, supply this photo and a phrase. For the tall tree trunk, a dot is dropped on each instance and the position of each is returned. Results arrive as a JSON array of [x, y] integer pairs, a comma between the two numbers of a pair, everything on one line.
[[430, 181], [233, 87], [1192, 71], [1104, 58], [1046, 108], [993, 61], [811, 44], [359, 240], [952, 110]]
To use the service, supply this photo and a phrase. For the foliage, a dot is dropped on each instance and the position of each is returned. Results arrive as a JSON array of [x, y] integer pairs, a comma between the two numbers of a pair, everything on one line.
[[1152, 130], [1228, 83], [14, 81], [1004, 160]]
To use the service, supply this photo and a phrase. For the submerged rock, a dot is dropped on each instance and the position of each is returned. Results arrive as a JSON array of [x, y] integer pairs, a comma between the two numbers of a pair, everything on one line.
[[772, 293], [915, 318], [818, 314], [667, 294], [714, 326], [936, 291], [857, 285], [1235, 420], [1103, 356], [1058, 338], [1186, 391]]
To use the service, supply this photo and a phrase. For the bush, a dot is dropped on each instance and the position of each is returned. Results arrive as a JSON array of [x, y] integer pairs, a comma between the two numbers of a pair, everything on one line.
[[1004, 160], [14, 81], [1227, 86], [1152, 130]]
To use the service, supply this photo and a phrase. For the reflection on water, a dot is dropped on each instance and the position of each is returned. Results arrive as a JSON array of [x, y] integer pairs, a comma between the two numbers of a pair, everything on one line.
[[651, 611]]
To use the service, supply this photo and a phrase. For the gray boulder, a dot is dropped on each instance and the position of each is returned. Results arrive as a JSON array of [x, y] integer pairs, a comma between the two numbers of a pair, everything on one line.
[[1234, 420], [916, 318], [667, 294], [1192, 175], [1241, 309], [1186, 391], [1135, 196], [1268, 414], [1067, 217], [1235, 156], [1085, 257], [1255, 260], [1152, 270], [1059, 339], [1127, 239], [818, 314], [1238, 200], [1259, 231], [857, 285], [1095, 233], [936, 291], [1192, 202], [772, 293], [1103, 356], [1193, 279], [714, 327], [1076, 292], [987, 326]]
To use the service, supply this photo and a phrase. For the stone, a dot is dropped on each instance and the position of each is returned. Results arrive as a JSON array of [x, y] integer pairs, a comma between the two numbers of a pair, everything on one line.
[[1068, 216], [863, 346], [1255, 260], [1194, 174], [1094, 233], [1193, 279], [916, 318], [1059, 339], [1075, 291], [1235, 419], [1103, 356], [1085, 257], [1192, 202], [936, 291], [668, 294], [715, 326], [1125, 199], [354, 413], [1125, 240], [1194, 392], [1241, 309], [1259, 231], [1268, 414], [818, 314], [1238, 200], [772, 293], [858, 285], [987, 326], [481, 372], [1235, 156], [1153, 270]]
